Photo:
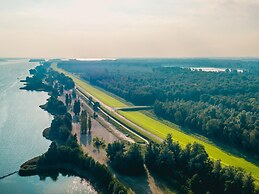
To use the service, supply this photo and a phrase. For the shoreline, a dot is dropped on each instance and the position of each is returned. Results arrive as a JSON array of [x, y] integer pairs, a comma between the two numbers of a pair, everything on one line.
[[77, 167], [31, 168]]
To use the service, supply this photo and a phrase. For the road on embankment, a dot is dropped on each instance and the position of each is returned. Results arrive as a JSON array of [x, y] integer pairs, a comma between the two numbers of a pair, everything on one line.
[[160, 130]]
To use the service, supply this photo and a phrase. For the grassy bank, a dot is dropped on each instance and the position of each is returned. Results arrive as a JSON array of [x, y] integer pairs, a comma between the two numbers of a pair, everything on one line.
[[161, 130], [105, 98]]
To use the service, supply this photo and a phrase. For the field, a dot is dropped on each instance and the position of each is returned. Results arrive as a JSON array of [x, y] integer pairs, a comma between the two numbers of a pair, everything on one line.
[[161, 130]]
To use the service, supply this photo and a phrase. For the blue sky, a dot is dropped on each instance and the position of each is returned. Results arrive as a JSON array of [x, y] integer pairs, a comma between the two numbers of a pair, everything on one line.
[[129, 28]]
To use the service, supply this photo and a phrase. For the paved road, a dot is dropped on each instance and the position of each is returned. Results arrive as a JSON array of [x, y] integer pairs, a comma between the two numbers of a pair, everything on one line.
[[85, 93], [105, 123]]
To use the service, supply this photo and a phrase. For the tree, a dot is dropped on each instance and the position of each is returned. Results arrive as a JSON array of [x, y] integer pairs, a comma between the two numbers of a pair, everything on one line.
[[199, 160], [151, 156], [61, 89], [67, 100], [77, 107], [134, 160], [74, 94], [195, 184], [72, 141], [213, 127], [126, 161], [96, 106], [52, 149], [114, 149], [99, 143], [83, 122], [70, 98], [89, 124], [248, 185]]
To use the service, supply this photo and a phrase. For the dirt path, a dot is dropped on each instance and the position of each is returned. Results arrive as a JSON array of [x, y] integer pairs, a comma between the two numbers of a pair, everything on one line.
[[142, 184], [83, 95], [86, 140], [105, 123], [113, 110]]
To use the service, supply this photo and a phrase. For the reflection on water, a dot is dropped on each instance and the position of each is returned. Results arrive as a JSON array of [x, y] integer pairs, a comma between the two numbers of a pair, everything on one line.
[[21, 126], [63, 185]]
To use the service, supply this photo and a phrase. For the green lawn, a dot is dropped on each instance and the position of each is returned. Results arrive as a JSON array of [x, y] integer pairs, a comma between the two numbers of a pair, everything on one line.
[[161, 130]]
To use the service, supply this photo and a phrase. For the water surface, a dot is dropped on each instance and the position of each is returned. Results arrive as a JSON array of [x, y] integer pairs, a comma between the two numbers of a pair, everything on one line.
[[21, 126]]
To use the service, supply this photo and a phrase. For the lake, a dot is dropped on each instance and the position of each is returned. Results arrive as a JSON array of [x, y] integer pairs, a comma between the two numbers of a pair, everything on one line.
[[21, 124], [212, 69]]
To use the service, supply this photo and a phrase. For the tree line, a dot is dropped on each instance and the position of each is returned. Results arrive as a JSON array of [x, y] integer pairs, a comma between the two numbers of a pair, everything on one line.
[[189, 169], [219, 105], [194, 170], [239, 128]]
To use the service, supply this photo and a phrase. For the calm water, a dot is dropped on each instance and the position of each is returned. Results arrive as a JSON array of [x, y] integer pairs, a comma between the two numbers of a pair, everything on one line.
[[21, 126]]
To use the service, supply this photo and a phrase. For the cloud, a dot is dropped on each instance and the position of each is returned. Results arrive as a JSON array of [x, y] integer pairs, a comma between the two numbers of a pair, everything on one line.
[[130, 27]]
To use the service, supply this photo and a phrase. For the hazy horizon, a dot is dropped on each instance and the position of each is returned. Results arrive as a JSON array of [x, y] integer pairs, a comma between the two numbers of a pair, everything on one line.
[[129, 29]]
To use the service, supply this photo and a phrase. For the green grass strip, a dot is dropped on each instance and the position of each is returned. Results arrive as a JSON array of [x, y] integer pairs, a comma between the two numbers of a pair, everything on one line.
[[105, 98]]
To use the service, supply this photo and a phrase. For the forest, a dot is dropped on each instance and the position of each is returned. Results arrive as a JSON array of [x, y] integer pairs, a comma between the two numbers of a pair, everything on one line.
[[194, 170], [189, 169], [220, 105]]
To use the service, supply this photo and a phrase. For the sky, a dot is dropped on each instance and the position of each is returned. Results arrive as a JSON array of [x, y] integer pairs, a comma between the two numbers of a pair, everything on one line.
[[129, 28]]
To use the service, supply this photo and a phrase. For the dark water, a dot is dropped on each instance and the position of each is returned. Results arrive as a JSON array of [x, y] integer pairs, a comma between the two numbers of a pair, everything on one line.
[[21, 126]]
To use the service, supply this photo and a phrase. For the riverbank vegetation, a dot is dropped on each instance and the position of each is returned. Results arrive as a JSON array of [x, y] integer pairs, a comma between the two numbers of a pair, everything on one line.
[[64, 153], [54, 106]]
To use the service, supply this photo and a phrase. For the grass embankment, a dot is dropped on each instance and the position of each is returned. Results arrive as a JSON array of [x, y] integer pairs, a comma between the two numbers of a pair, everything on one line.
[[131, 127], [103, 97], [161, 129], [114, 123]]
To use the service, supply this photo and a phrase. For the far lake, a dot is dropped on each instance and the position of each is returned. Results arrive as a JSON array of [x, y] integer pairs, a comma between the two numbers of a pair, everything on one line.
[[211, 69]]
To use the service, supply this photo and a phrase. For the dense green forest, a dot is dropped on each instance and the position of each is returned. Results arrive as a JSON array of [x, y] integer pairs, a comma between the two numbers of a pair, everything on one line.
[[220, 105], [193, 171], [190, 170]]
